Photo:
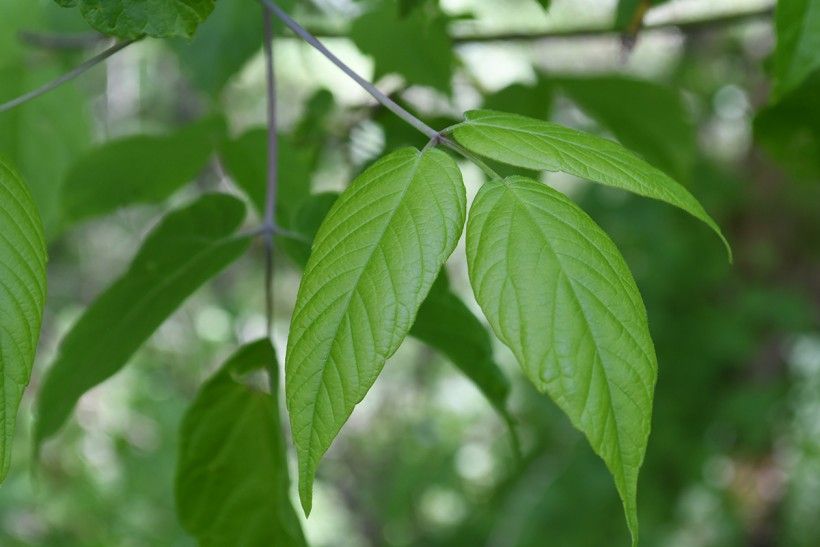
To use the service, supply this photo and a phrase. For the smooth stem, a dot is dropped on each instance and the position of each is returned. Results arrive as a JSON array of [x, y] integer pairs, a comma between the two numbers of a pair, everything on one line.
[[68, 76], [383, 99], [273, 151]]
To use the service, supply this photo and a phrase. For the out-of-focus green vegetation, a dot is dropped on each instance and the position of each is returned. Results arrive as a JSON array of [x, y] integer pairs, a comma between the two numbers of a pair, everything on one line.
[[734, 455]]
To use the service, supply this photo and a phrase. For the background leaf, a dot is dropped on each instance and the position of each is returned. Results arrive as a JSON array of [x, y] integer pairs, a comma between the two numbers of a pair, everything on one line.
[[373, 262], [446, 324], [137, 169], [558, 293], [232, 485], [416, 46], [187, 248], [134, 18], [245, 159], [536, 144], [797, 55], [224, 43], [22, 298], [647, 118]]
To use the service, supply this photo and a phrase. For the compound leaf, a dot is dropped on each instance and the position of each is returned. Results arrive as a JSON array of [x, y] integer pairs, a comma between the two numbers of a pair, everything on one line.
[[374, 259], [134, 18], [22, 297], [231, 428], [138, 169], [187, 248], [556, 290], [535, 144]]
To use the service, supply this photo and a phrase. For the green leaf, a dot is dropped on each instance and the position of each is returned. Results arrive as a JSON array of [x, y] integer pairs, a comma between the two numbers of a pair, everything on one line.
[[416, 46], [446, 324], [629, 14], [55, 126], [246, 161], [558, 293], [232, 484], [797, 54], [374, 259], [536, 144], [22, 298], [544, 4], [533, 100], [306, 224], [223, 43], [646, 117], [789, 130], [138, 169], [134, 18], [189, 246]]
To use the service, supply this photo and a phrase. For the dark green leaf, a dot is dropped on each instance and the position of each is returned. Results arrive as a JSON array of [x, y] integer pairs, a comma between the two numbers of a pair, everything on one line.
[[22, 298], [533, 100], [789, 130], [416, 46], [646, 117], [306, 224], [138, 169], [223, 43], [536, 144], [446, 324], [189, 246], [374, 259], [558, 293], [797, 54], [134, 18], [246, 160], [232, 485]]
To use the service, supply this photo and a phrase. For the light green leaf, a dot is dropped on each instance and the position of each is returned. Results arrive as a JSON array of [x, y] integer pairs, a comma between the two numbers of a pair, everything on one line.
[[446, 324], [536, 144], [646, 117], [797, 54], [138, 169], [134, 18], [246, 161], [189, 246], [374, 260], [22, 297], [558, 293], [416, 46], [443, 321], [232, 484]]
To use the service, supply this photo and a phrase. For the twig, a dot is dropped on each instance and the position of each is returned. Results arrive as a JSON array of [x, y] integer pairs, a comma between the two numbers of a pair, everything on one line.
[[687, 25], [273, 150], [388, 103], [68, 76], [54, 40]]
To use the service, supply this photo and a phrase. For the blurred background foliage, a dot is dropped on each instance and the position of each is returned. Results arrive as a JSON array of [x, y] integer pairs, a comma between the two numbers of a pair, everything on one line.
[[734, 456]]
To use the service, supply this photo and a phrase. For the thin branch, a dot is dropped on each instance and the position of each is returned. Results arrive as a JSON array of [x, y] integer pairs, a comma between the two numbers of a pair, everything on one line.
[[693, 25], [62, 41], [68, 76], [273, 151], [388, 103]]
